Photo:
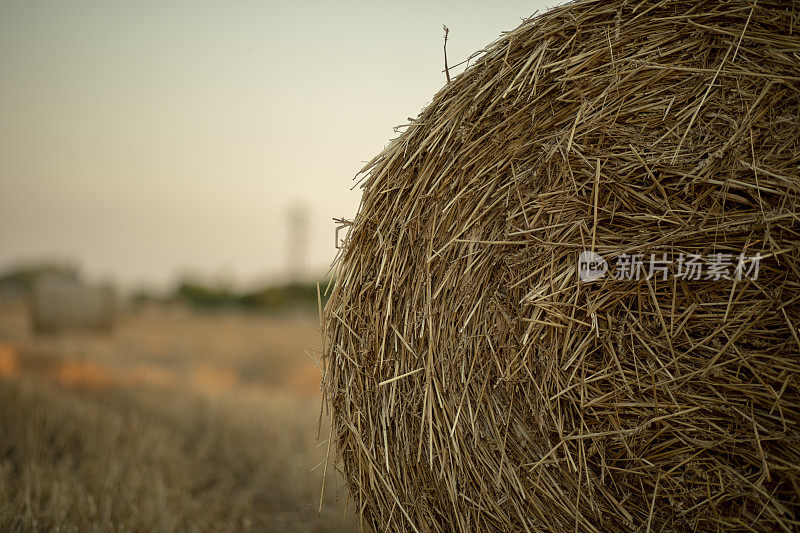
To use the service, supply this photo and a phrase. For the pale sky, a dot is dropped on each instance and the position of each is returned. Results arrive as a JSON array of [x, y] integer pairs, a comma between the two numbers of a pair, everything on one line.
[[141, 140]]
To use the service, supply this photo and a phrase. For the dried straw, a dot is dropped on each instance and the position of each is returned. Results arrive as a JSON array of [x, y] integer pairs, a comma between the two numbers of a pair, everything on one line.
[[475, 383]]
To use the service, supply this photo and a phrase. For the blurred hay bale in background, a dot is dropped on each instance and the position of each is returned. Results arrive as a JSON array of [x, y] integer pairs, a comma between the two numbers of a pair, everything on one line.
[[62, 303], [476, 383]]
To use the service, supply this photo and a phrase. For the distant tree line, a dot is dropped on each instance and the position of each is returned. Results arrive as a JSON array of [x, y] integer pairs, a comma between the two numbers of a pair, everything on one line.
[[23, 278], [196, 293], [270, 297]]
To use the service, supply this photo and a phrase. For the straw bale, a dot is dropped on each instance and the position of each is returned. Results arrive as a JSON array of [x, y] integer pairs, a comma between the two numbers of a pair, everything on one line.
[[475, 383]]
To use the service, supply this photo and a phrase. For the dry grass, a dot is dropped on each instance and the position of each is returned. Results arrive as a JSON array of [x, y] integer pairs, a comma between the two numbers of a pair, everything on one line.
[[97, 439], [476, 384]]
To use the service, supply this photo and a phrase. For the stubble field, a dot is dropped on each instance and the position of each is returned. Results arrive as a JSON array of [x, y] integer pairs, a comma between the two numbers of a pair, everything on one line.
[[175, 421]]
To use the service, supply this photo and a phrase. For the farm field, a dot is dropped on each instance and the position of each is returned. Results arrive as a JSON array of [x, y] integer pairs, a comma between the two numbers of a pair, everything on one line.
[[175, 421]]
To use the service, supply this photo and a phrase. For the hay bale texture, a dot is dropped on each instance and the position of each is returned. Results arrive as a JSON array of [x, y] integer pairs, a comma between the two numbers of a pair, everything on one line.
[[475, 383]]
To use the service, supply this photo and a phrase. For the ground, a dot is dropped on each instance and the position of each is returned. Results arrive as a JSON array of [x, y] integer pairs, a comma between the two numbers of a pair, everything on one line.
[[176, 420]]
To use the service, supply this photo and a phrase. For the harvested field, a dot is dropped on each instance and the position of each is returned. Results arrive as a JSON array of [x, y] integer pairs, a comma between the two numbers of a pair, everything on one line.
[[178, 421]]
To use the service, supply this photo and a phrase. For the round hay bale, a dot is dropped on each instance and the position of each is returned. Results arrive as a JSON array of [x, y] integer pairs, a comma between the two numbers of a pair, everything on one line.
[[480, 379]]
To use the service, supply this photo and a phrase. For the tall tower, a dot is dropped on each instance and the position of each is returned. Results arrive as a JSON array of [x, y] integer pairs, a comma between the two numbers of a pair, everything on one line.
[[297, 242]]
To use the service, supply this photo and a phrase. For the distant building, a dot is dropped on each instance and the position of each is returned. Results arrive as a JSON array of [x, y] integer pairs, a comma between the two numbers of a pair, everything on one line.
[[63, 303], [297, 233]]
